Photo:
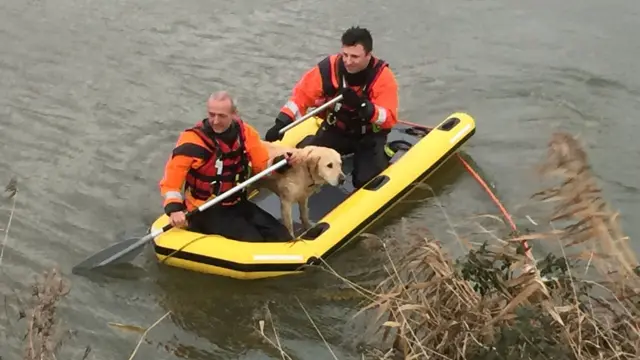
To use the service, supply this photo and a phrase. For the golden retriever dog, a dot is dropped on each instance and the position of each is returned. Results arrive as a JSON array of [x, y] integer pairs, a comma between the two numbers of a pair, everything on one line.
[[319, 166]]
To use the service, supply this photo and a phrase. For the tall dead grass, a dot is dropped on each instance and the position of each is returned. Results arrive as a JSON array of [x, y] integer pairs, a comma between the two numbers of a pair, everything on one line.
[[43, 338], [579, 304]]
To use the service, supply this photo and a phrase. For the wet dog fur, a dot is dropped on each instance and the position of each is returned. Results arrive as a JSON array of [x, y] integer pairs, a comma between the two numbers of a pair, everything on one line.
[[319, 166]]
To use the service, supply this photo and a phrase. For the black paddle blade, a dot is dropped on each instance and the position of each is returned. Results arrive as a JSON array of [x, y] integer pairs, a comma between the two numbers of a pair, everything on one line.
[[93, 261]]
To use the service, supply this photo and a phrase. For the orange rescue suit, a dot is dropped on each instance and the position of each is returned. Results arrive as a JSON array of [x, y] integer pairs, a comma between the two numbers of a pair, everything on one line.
[[322, 82], [207, 166]]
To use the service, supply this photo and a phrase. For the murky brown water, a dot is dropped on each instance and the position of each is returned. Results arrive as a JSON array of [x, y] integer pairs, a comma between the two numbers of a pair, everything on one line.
[[93, 95]]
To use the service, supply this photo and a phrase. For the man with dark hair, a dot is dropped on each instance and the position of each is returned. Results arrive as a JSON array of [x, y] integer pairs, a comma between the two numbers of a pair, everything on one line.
[[358, 124]]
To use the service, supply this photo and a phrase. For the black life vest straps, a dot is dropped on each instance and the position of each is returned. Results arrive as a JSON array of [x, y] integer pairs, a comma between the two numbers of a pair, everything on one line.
[[214, 148], [324, 66], [239, 171], [329, 90]]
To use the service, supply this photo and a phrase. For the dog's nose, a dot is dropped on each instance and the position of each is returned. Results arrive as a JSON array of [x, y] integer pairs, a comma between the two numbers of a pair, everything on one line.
[[341, 179]]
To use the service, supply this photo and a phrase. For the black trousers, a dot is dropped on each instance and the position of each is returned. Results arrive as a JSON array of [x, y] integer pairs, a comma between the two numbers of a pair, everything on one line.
[[369, 158], [244, 221]]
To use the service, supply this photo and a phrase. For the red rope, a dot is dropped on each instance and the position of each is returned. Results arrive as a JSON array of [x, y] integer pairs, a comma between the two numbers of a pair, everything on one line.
[[493, 197], [484, 185]]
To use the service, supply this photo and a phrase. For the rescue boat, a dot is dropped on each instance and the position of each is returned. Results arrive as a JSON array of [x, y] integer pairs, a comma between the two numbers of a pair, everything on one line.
[[339, 214]]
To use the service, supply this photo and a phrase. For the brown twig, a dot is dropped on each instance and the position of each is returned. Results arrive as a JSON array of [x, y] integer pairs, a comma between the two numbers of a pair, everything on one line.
[[11, 189], [143, 336], [42, 334]]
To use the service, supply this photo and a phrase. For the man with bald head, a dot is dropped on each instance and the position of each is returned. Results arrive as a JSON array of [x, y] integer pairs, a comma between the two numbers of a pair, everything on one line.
[[212, 157]]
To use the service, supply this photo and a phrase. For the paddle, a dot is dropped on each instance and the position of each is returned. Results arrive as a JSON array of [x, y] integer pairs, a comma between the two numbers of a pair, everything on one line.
[[315, 111], [124, 250]]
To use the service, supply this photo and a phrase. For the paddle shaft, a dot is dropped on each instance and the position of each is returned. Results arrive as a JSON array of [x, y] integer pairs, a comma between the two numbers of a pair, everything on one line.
[[314, 112], [199, 209]]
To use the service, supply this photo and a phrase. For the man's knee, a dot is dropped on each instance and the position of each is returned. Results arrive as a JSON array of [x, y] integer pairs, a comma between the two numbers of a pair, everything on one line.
[[360, 181], [324, 137], [308, 140], [366, 172], [269, 228], [318, 139], [203, 223]]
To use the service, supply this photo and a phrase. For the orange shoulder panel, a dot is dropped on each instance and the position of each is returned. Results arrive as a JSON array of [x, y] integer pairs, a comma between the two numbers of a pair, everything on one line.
[[177, 167], [334, 70], [304, 95], [257, 151], [384, 96]]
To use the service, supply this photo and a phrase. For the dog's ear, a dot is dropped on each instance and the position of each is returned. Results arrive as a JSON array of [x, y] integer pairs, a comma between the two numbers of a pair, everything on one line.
[[312, 159], [307, 152]]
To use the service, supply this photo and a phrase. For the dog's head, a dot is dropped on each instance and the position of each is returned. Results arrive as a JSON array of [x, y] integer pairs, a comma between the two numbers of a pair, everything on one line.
[[326, 164]]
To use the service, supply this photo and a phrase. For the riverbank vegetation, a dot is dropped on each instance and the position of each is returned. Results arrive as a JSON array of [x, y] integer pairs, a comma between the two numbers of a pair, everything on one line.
[[580, 301], [36, 323]]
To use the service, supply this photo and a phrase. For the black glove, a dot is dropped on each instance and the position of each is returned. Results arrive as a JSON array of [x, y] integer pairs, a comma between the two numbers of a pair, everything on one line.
[[351, 98], [284, 168], [273, 134], [362, 105], [173, 207]]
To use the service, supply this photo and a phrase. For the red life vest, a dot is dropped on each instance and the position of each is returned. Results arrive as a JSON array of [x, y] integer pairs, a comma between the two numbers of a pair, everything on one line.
[[224, 167], [341, 115]]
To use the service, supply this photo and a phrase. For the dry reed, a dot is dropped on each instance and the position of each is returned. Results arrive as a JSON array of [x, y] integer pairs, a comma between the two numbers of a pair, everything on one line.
[[485, 306], [482, 306], [43, 337]]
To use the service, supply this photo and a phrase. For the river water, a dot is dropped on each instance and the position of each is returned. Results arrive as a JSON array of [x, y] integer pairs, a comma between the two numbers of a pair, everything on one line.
[[93, 95]]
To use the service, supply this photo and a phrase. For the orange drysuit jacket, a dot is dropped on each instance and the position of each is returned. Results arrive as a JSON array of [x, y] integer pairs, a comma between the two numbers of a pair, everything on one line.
[[178, 166], [308, 92]]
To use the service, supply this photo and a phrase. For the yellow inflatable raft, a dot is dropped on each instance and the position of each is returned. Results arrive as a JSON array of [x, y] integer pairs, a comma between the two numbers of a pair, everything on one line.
[[340, 214]]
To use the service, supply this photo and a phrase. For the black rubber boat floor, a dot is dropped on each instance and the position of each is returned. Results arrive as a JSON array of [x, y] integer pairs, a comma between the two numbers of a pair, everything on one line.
[[321, 203]]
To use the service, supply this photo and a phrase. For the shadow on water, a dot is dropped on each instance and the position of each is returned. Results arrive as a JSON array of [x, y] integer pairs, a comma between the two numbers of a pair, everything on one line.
[[226, 311]]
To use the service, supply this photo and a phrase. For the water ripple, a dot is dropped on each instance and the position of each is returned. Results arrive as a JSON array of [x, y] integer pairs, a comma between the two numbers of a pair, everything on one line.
[[95, 94]]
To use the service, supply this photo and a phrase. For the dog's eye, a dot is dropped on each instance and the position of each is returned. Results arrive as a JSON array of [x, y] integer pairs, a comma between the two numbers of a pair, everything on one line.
[[330, 165]]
